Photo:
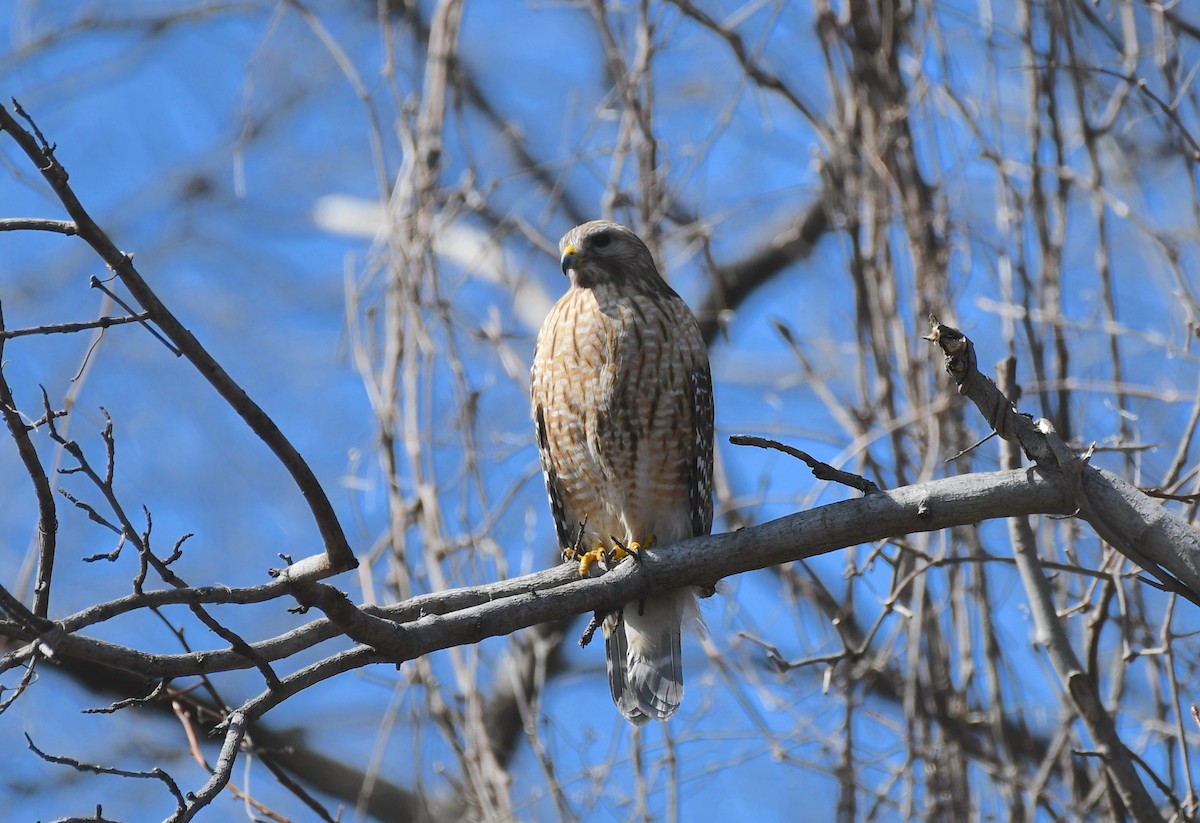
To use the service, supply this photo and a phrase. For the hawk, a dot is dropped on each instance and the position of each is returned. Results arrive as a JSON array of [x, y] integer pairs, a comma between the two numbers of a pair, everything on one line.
[[623, 409]]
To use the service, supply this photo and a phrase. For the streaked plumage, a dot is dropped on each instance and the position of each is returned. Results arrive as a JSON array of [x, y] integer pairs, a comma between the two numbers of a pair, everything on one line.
[[623, 411]]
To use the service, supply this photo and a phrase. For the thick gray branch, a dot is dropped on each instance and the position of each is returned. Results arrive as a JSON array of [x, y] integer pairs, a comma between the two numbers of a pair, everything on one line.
[[1134, 524], [402, 632]]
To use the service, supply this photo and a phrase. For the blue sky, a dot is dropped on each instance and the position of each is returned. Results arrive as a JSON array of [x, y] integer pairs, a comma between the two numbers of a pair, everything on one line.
[[208, 148]]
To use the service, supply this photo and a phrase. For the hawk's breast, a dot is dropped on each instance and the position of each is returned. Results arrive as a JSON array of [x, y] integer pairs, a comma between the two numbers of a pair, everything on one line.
[[614, 391]]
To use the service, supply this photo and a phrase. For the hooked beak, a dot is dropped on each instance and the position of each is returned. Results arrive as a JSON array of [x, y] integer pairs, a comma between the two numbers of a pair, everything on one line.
[[568, 259]]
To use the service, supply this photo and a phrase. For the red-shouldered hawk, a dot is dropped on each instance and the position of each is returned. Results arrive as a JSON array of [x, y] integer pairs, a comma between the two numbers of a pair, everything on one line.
[[623, 407]]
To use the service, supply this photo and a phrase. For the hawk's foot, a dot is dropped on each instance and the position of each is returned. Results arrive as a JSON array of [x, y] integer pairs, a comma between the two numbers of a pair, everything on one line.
[[586, 559], [620, 551], [606, 556]]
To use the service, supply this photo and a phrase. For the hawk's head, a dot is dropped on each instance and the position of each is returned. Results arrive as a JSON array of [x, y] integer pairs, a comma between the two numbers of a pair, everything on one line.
[[602, 252]]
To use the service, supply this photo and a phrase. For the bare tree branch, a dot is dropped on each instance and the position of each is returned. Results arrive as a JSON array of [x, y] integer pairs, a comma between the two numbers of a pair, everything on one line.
[[47, 524], [1135, 524], [338, 556], [1078, 686], [79, 765], [402, 633]]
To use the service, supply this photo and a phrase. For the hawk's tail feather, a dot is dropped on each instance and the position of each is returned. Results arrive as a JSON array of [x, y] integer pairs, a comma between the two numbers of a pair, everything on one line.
[[616, 650], [645, 662]]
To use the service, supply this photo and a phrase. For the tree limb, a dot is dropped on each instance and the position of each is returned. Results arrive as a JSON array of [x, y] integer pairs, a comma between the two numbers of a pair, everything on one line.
[[402, 632], [1134, 524]]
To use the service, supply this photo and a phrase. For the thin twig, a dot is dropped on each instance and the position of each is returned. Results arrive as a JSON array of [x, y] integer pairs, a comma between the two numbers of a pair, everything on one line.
[[153, 774], [821, 471], [38, 224], [71, 328], [47, 522]]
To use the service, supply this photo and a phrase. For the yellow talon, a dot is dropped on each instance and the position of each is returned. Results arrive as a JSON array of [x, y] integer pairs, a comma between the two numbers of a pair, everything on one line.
[[620, 551], [609, 557], [587, 559]]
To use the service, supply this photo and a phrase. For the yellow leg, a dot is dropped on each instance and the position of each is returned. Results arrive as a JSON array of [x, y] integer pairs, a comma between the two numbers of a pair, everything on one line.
[[610, 557]]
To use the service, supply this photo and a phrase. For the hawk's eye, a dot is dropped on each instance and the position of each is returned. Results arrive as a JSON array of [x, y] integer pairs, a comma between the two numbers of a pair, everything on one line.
[[602, 240]]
